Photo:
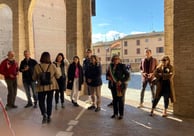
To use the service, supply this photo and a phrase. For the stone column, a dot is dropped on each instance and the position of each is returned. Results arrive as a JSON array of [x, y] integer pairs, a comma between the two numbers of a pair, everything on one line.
[[71, 30], [78, 27], [179, 33]]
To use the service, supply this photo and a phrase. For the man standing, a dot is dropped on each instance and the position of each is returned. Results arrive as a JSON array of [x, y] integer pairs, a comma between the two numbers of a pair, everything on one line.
[[147, 67], [27, 68], [9, 69], [86, 64]]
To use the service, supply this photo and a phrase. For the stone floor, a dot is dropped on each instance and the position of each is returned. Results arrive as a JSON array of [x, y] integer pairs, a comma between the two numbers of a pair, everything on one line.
[[78, 121]]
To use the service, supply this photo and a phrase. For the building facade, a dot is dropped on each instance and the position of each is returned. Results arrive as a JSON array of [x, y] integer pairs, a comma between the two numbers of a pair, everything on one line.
[[131, 48]]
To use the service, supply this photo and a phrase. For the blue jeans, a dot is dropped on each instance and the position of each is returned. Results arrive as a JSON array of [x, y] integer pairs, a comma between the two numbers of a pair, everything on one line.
[[27, 86]]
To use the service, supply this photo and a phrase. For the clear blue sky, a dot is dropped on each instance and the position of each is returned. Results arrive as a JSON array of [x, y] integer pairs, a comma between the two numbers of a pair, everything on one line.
[[117, 18]]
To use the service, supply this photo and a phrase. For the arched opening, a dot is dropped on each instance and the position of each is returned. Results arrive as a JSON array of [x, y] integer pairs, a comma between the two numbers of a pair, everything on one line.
[[49, 27], [6, 30]]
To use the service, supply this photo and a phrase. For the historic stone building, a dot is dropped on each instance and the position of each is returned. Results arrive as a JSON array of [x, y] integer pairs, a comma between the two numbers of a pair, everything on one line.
[[178, 33], [46, 25]]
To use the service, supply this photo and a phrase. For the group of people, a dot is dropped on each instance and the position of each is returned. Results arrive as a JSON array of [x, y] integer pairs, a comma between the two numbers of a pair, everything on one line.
[[160, 78], [72, 76]]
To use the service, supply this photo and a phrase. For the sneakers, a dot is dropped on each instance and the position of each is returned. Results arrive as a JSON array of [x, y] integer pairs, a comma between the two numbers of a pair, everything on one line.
[[28, 105], [48, 119], [91, 107], [44, 120]]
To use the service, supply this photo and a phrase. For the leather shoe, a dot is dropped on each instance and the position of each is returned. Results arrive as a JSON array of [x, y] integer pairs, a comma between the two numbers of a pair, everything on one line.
[[113, 116]]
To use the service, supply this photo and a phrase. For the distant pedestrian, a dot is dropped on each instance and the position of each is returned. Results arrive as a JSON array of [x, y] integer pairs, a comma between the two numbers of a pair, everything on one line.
[[45, 92], [27, 68], [75, 79], [94, 82], [118, 76], [147, 67], [164, 74], [9, 69], [61, 67]]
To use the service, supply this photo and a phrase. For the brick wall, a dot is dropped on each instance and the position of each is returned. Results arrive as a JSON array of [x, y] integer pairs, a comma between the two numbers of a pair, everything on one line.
[[179, 33]]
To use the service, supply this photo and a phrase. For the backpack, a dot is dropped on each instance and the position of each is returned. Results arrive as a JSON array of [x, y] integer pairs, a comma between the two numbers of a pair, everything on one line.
[[45, 77]]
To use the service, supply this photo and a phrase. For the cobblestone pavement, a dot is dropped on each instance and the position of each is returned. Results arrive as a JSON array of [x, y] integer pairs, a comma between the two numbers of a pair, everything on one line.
[[78, 121]]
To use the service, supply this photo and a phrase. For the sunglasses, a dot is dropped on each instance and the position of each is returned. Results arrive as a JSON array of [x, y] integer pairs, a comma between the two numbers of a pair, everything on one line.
[[164, 60]]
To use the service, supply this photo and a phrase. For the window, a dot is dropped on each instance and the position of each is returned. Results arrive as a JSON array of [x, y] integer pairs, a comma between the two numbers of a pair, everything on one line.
[[108, 58], [125, 43], [125, 51], [137, 42], [98, 50], [138, 51], [159, 49]]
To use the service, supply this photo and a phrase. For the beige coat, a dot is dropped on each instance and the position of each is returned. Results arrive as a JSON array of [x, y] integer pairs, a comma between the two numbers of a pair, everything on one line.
[[54, 75]]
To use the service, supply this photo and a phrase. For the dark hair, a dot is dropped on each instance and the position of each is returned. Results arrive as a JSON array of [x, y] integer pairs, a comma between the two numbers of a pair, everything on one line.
[[60, 54], [95, 57], [45, 58], [88, 50], [76, 57], [148, 50]]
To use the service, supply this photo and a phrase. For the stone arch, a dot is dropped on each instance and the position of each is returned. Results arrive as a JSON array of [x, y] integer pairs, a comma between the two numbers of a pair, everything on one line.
[[6, 30]]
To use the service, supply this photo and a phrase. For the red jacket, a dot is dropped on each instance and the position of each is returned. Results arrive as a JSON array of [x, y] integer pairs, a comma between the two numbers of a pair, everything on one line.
[[8, 68]]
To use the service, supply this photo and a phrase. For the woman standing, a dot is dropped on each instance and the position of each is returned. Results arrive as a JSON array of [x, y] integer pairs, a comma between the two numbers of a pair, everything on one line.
[[60, 64], [164, 87], [117, 75], [75, 79], [45, 92], [94, 82]]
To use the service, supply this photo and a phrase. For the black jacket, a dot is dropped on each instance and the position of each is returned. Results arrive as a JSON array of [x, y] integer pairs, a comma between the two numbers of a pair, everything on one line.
[[120, 73], [71, 76], [27, 75], [94, 73]]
